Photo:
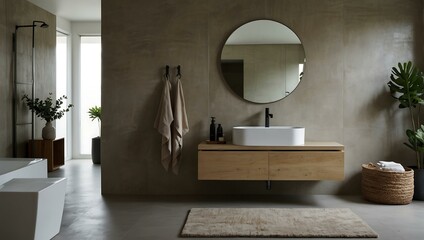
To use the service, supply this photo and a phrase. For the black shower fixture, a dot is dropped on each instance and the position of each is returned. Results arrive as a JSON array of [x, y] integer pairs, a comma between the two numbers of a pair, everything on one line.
[[43, 24], [36, 23]]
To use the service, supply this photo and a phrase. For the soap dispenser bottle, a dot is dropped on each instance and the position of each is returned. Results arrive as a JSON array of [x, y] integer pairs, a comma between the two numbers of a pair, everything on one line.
[[212, 136]]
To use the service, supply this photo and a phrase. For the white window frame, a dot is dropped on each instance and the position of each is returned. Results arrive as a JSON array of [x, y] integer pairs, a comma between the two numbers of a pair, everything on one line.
[[79, 29], [68, 137]]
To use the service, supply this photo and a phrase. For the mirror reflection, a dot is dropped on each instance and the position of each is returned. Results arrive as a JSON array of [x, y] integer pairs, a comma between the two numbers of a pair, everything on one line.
[[262, 61]]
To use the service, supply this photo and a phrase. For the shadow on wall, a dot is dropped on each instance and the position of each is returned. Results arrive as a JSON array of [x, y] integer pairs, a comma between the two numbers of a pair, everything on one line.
[[418, 44], [350, 185], [278, 188], [381, 103]]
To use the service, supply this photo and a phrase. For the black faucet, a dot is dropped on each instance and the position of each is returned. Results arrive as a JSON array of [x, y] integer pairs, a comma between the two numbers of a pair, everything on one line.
[[267, 116]]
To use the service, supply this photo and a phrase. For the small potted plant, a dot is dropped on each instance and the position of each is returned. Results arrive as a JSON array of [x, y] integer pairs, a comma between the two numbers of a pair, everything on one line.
[[95, 114], [49, 111], [407, 86]]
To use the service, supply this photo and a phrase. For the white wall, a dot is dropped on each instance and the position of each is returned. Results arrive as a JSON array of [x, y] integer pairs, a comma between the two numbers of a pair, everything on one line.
[[63, 25]]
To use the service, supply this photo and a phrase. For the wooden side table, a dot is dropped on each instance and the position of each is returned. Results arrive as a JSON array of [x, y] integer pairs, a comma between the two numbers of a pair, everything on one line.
[[52, 150]]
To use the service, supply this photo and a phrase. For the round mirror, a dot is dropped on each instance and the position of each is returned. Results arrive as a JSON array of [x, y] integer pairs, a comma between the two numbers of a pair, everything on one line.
[[262, 61]]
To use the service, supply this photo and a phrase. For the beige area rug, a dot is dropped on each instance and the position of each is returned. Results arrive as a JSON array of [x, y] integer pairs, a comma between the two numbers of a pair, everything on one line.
[[276, 222]]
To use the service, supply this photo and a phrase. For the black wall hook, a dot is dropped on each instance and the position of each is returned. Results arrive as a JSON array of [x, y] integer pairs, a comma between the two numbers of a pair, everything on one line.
[[179, 71], [167, 71]]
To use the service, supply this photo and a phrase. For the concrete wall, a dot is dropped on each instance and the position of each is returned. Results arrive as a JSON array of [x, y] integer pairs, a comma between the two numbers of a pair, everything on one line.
[[21, 12], [350, 47], [5, 104]]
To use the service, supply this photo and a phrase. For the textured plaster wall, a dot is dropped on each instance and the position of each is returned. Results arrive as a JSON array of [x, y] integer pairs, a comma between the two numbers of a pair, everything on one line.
[[21, 12], [350, 48], [5, 137]]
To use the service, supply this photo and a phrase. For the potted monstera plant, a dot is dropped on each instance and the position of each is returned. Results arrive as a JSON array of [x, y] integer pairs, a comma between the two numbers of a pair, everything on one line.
[[95, 114], [48, 110], [407, 86]]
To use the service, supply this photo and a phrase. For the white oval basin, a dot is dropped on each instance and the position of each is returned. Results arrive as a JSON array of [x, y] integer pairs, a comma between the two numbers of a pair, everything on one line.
[[268, 136]]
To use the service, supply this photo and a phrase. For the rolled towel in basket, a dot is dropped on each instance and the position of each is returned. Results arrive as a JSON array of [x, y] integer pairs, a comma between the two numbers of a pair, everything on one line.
[[390, 166], [386, 163]]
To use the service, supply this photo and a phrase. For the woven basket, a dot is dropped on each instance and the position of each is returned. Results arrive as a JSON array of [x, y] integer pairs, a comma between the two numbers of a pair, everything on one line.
[[387, 187]]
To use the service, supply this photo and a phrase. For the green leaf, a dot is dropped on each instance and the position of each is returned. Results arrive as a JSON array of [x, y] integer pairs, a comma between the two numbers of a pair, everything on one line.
[[95, 113], [45, 109]]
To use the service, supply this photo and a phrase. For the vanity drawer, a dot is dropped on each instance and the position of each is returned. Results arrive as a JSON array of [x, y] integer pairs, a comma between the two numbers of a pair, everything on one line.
[[306, 165], [232, 165]]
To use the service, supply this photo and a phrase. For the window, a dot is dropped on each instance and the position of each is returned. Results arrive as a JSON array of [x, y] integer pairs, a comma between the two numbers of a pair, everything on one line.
[[90, 85]]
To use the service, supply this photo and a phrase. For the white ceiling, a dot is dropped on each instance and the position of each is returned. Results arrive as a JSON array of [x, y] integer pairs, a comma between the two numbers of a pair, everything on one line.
[[263, 32], [72, 10]]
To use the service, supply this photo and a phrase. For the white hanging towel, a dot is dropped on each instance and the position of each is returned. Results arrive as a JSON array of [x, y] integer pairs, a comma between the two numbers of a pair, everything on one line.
[[163, 123], [180, 125]]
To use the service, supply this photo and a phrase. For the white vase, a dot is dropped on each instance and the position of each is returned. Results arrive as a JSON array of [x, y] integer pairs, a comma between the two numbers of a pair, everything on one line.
[[49, 132]]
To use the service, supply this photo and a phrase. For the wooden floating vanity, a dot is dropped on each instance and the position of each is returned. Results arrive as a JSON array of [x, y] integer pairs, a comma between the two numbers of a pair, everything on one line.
[[311, 161]]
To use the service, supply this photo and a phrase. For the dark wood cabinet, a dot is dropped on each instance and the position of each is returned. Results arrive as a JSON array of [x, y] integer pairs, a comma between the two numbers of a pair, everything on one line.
[[52, 150]]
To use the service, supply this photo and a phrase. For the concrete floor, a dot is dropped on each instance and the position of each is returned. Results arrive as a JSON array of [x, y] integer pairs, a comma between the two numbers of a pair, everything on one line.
[[89, 215]]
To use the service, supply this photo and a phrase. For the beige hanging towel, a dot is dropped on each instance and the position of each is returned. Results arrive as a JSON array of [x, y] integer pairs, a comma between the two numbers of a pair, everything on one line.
[[180, 125], [163, 123]]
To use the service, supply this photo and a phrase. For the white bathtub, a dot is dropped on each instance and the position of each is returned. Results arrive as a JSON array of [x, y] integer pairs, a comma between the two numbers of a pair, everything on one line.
[[11, 168]]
